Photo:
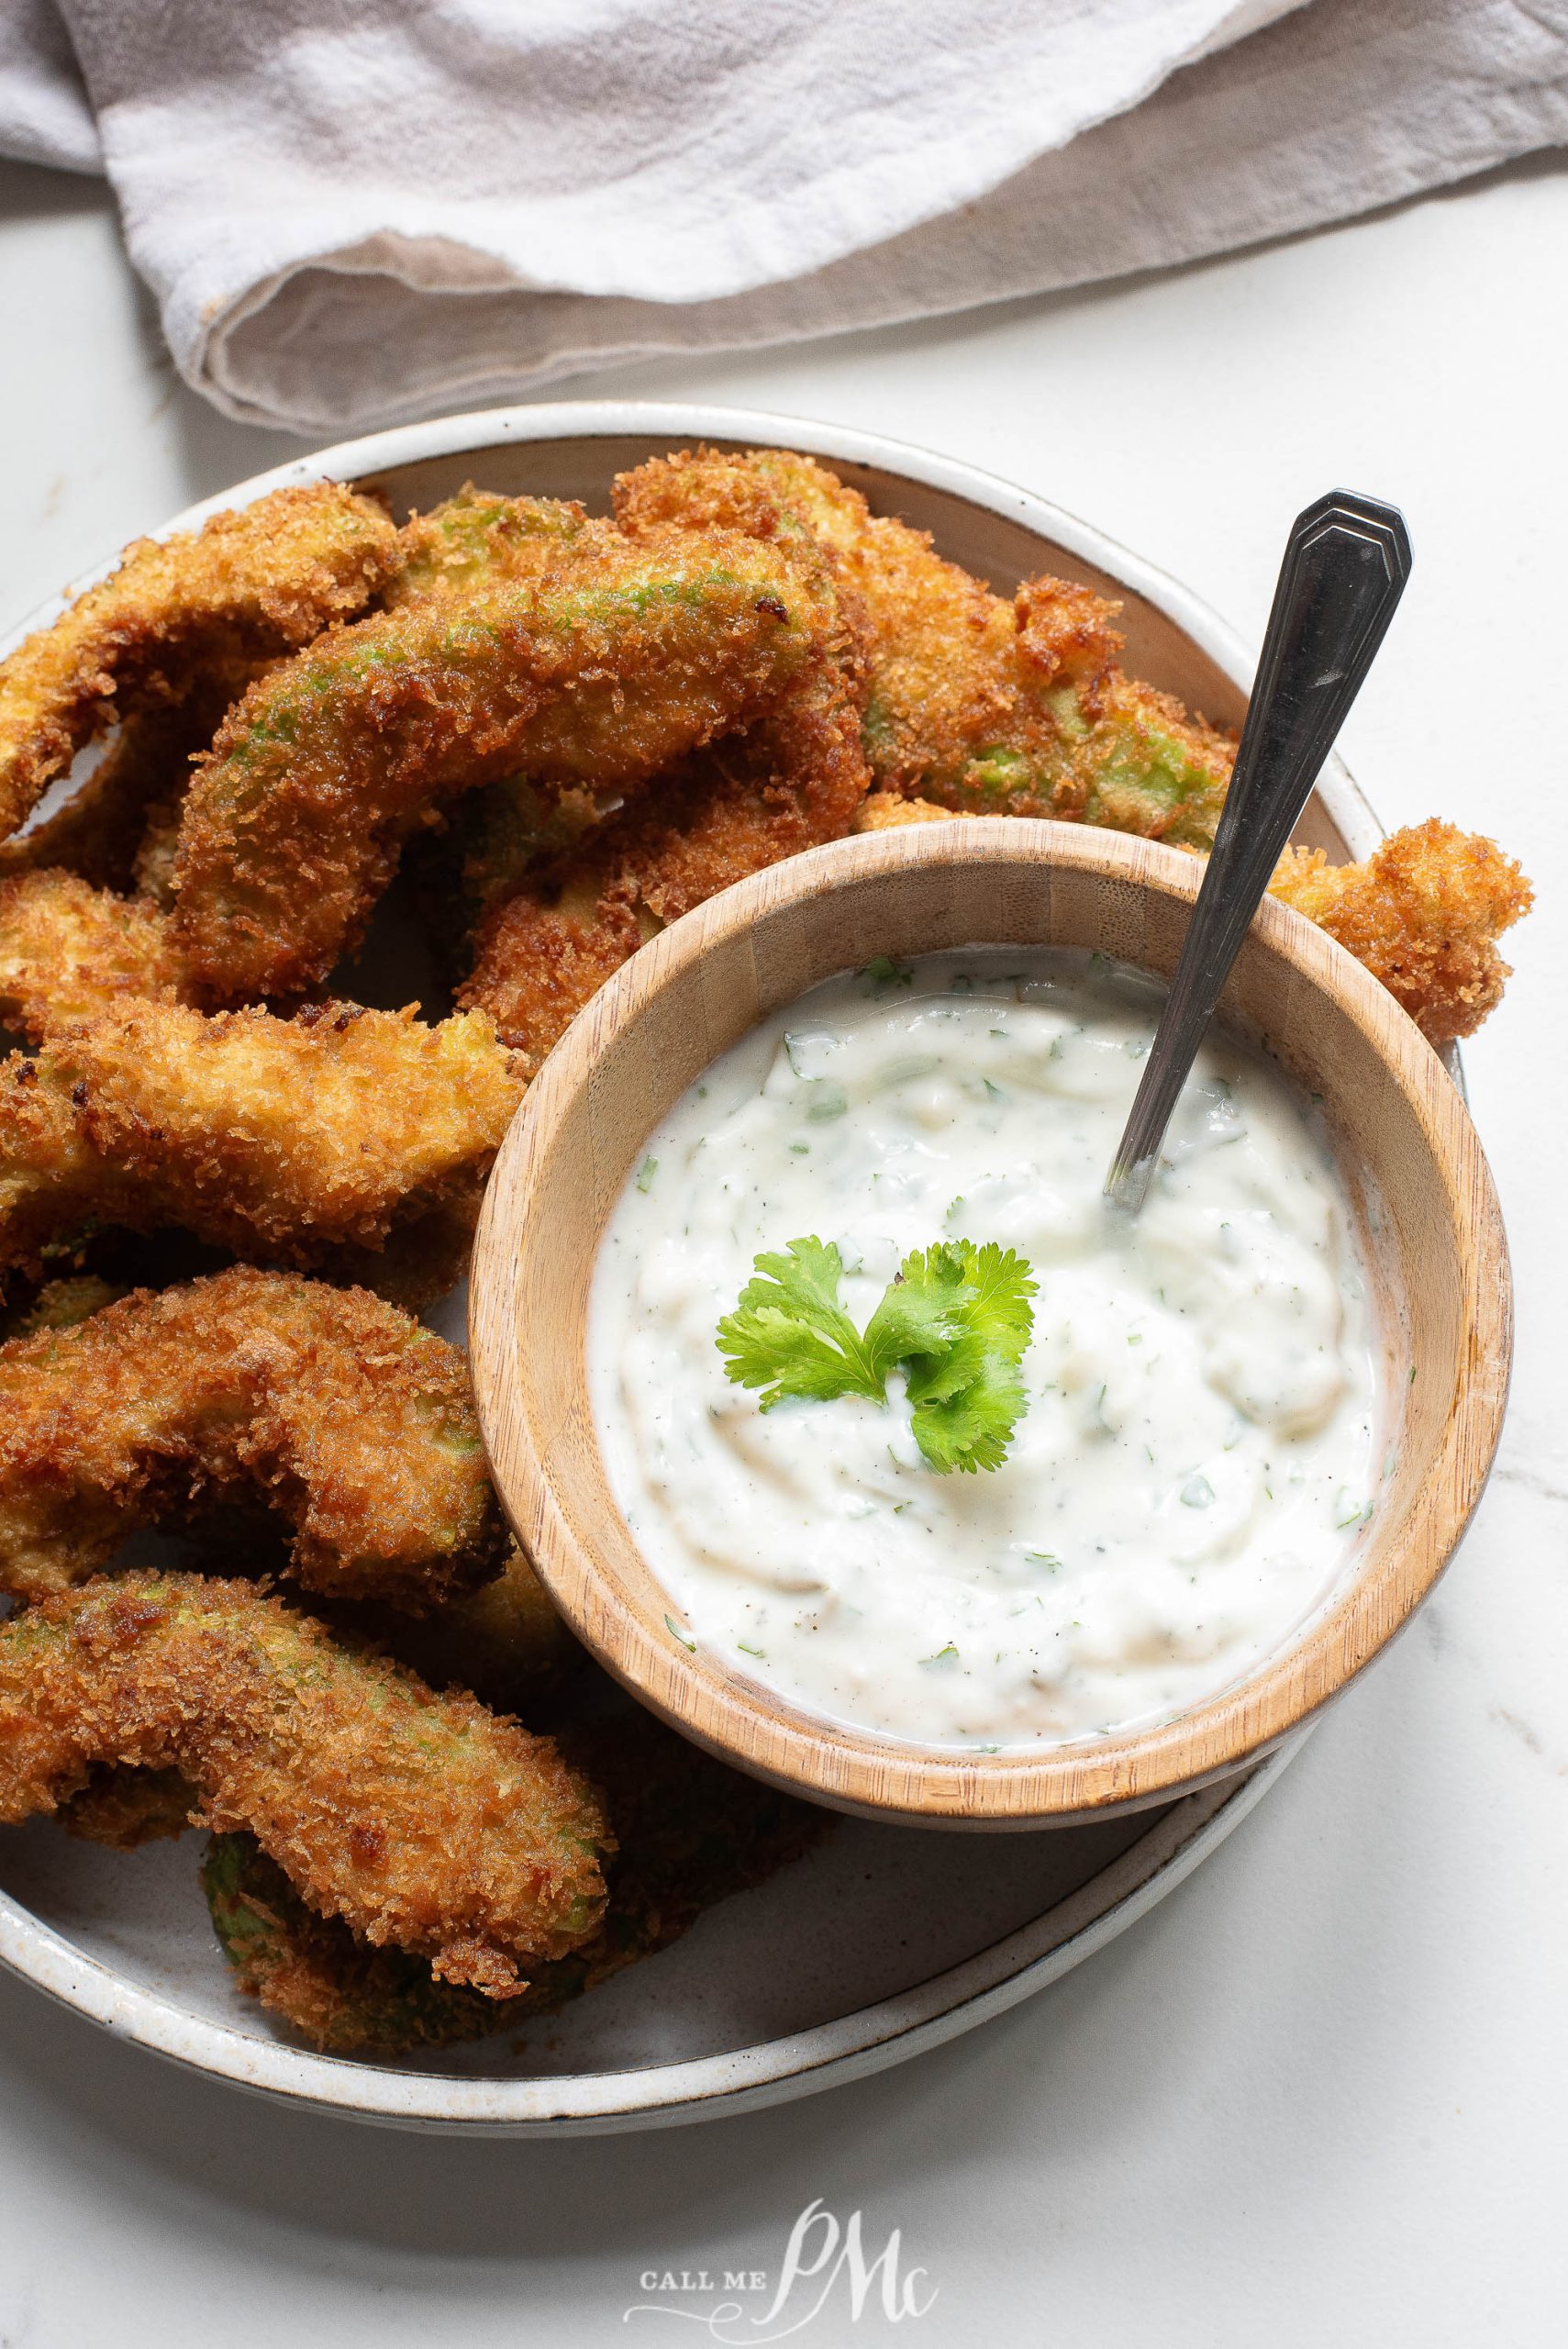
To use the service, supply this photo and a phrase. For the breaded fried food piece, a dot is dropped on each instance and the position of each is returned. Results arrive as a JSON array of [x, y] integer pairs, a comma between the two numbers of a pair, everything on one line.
[[602, 669], [61, 1303], [796, 780], [291, 1134], [889, 811], [355, 1422], [420, 1821], [691, 1833], [1423, 914], [477, 539], [249, 584], [55, 1188], [99, 832], [69, 951], [316, 1141], [1009, 709]]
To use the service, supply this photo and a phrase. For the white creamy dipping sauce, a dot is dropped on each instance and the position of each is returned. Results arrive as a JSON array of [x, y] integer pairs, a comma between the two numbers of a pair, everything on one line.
[[1200, 1443]]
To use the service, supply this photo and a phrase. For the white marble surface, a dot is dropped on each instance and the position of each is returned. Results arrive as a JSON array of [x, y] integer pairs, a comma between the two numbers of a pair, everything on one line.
[[1319, 2094]]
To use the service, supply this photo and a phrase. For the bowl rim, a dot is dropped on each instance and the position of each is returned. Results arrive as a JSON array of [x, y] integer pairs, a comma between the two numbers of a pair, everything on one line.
[[759, 1729]]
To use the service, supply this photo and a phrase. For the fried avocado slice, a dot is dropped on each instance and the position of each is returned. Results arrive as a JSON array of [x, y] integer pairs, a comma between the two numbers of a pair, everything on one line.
[[69, 950], [355, 1422], [261, 581], [288, 1135], [743, 804], [55, 1190], [690, 1833], [287, 1141], [345, 1996], [601, 669], [991, 708], [1423, 914], [100, 830], [421, 1821], [476, 539]]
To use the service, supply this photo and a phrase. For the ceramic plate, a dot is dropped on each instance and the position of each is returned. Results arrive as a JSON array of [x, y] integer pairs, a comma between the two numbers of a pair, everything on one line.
[[885, 1940]]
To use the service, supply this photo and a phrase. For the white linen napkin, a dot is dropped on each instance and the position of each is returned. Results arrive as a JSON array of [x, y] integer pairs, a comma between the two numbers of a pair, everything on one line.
[[356, 213]]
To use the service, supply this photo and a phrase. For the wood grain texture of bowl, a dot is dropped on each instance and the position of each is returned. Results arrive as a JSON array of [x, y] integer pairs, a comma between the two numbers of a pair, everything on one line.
[[1414, 1169]]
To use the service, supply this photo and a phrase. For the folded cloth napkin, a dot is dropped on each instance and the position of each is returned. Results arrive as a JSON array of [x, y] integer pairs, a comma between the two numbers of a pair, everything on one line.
[[366, 210]]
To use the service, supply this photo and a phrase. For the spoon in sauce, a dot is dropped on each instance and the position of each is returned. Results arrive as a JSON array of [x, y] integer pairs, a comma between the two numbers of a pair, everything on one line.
[[1346, 562]]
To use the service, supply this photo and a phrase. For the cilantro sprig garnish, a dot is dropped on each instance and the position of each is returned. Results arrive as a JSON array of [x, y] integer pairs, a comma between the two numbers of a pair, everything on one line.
[[957, 1317]]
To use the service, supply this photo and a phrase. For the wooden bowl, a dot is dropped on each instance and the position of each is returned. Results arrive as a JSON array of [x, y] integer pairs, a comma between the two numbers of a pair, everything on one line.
[[1417, 1181]]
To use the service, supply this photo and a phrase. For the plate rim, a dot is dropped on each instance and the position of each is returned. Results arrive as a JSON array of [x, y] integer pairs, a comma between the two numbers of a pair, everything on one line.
[[467, 432], [848, 2047], [986, 1982]]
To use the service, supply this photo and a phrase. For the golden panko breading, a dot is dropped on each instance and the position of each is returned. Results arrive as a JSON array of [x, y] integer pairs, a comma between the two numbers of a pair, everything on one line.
[[1423, 914], [689, 1832], [288, 1142], [100, 830], [355, 1422], [54, 1187], [476, 539], [418, 1819], [603, 667], [745, 803], [248, 583], [290, 1134], [69, 950], [1015, 708]]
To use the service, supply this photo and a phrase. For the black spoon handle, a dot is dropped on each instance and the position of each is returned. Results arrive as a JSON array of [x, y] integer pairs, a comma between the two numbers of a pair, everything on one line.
[[1344, 570]]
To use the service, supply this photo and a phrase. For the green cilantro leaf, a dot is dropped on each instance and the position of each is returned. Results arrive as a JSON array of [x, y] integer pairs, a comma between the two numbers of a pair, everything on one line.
[[971, 1425], [789, 1334], [958, 1317]]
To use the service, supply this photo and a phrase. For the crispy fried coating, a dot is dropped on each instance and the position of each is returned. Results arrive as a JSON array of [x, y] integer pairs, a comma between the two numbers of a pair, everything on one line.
[[100, 831], [357, 1424], [420, 1821], [291, 1134], [69, 951], [1423, 913], [476, 537], [288, 1142], [889, 811], [1017, 709], [603, 667], [747, 802], [55, 1190], [690, 1832], [61, 1303], [247, 585]]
